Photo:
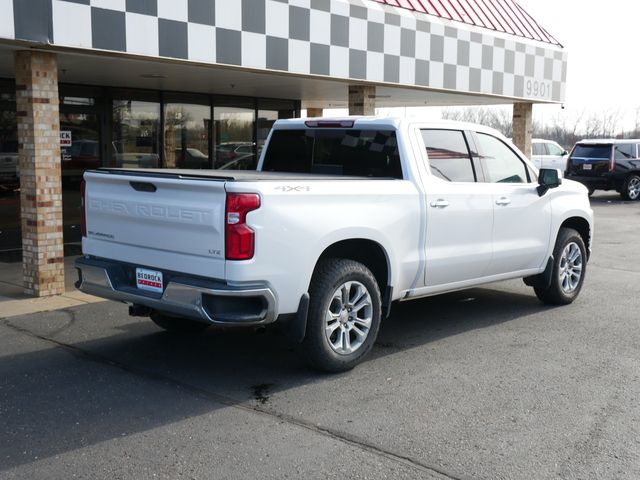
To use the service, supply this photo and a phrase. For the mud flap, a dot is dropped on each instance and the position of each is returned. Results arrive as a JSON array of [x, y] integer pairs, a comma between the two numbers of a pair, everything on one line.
[[298, 326], [542, 280]]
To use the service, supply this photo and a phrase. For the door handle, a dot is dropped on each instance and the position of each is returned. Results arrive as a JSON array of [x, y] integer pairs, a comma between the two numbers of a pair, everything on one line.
[[440, 203], [503, 201]]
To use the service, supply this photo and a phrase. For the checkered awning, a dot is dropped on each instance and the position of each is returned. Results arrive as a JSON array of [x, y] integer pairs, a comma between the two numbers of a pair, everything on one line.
[[504, 16]]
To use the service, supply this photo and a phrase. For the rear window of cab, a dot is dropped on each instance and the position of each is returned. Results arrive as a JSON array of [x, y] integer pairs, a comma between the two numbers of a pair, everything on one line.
[[334, 151]]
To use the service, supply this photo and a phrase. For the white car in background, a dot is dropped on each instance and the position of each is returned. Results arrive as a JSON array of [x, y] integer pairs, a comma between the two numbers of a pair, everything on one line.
[[548, 154]]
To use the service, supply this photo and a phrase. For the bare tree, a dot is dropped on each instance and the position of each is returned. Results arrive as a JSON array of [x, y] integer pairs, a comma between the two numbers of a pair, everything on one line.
[[566, 128]]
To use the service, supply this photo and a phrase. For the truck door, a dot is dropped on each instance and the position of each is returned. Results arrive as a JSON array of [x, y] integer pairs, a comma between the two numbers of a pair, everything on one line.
[[459, 210], [522, 219]]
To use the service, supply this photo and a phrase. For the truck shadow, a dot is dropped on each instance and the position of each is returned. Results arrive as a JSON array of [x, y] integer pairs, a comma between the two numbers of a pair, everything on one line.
[[103, 375]]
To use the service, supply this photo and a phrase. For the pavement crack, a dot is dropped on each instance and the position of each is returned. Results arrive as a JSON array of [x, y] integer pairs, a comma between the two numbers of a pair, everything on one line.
[[72, 320], [343, 437]]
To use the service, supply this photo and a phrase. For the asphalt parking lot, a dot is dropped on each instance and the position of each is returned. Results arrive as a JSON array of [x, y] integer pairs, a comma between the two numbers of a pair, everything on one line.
[[483, 384]]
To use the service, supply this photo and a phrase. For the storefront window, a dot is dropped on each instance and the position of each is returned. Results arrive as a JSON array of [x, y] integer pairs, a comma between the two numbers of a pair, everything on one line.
[[234, 146], [10, 236], [186, 135], [135, 134]]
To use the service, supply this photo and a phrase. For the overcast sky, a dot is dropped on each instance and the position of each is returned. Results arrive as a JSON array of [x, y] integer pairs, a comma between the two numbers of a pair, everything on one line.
[[602, 40]]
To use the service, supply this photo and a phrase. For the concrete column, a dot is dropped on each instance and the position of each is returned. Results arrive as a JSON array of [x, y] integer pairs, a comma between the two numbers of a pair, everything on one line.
[[37, 108], [362, 100], [314, 112], [523, 127]]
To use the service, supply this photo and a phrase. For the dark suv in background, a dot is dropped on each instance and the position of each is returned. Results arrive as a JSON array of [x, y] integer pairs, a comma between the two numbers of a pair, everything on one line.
[[607, 165]]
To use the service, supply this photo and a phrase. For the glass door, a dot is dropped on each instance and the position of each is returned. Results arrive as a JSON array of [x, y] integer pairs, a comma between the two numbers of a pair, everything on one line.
[[186, 135], [80, 150], [234, 127]]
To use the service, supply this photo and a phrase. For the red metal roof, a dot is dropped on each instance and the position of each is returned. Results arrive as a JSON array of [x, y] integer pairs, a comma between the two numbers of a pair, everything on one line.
[[499, 15]]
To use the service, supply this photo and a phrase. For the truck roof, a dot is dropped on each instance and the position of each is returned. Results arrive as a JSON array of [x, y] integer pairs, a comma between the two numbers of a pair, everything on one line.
[[370, 122], [600, 141]]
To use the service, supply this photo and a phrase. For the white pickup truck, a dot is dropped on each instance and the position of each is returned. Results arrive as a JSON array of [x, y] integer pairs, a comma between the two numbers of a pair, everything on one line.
[[342, 218]]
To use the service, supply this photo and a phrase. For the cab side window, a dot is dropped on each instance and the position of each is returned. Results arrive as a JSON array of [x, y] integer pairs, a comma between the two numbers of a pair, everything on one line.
[[449, 157], [624, 151], [555, 150], [501, 164]]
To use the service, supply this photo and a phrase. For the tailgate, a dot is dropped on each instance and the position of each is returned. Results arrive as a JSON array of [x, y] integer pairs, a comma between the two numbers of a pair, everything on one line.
[[167, 222]]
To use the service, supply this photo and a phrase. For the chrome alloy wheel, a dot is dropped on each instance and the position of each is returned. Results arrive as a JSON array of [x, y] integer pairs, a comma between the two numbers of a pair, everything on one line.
[[348, 318], [633, 188], [570, 271]]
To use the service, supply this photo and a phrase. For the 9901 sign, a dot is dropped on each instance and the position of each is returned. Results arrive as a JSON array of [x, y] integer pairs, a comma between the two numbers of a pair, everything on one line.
[[534, 88]]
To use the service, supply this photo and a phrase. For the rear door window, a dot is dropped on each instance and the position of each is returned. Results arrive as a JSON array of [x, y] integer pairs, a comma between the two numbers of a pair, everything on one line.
[[449, 157], [334, 151], [539, 149]]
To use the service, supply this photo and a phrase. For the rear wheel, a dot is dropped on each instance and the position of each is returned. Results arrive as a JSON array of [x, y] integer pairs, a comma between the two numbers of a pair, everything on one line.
[[177, 324], [631, 188], [344, 315], [569, 268]]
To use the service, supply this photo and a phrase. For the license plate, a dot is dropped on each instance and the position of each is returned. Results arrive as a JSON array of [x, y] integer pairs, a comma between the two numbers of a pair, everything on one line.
[[150, 280], [587, 166]]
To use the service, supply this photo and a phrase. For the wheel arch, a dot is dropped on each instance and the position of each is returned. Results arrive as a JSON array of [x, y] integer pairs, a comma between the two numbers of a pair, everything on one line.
[[581, 225], [368, 252]]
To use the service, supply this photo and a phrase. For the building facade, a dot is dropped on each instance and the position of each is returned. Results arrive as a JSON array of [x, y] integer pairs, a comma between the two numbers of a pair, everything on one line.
[[198, 84]]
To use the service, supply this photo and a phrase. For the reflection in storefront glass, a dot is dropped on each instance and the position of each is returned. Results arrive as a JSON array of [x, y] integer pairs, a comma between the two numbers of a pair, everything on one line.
[[135, 134], [234, 149], [186, 136]]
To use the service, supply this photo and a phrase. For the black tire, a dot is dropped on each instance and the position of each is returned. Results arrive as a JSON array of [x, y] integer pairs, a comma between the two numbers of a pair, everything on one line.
[[177, 324], [591, 190], [556, 293], [631, 188], [330, 276]]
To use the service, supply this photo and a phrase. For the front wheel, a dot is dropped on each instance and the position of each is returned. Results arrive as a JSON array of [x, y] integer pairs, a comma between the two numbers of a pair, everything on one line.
[[569, 268], [344, 315], [631, 188]]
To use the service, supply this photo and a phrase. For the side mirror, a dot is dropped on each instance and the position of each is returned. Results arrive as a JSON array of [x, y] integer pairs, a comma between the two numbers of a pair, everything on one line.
[[548, 178], [564, 152]]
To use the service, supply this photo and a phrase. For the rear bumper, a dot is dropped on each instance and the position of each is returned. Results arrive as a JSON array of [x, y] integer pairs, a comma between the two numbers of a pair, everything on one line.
[[604, 182], [193, 297]]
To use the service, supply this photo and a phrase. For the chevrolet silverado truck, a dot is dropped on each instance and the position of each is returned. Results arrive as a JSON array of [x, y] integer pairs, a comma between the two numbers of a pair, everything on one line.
[[341, 219]]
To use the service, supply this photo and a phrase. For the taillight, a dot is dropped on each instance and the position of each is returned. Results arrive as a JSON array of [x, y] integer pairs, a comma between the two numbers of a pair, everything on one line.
[[83, 213], [239, 238]]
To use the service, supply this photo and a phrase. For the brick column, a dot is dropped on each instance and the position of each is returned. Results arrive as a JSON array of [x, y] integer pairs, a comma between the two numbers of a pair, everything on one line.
[[523, 127], [37, 107], [314, 112], [362, 100]]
